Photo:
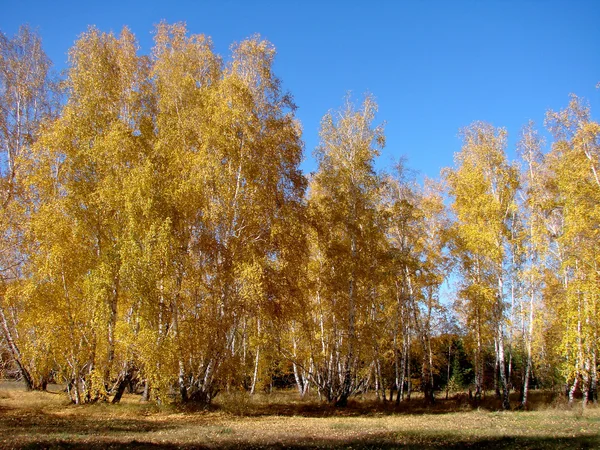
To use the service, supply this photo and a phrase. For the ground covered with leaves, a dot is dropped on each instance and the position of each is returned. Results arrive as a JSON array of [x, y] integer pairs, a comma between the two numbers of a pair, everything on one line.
[[47, 420]]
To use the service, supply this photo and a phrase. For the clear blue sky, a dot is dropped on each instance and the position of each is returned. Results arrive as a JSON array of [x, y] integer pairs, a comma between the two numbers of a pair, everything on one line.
[[433, 66]]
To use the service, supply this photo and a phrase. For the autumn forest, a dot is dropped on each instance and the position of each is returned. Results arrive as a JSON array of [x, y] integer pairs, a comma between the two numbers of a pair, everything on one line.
[[157, 235]]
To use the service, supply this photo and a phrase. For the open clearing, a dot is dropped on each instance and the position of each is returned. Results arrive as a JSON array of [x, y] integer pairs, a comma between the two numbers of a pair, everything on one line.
[[47, 420]]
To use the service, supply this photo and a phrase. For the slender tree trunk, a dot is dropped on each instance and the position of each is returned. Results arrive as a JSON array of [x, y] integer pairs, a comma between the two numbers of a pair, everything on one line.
[[448, 372], [431, 379], [529, 361], [126, 379], [579, 360], [573, 389], [15, 353], [511, 329], [181, 379], [478, 362], [255, 374], [408, 375], [594, 378], [422, 330], [500, 339], [298, 379], [374, 367], [502, 367], [400, 394], [347, 378], [112, 323], [381, 380], [183, 391], [496, 368], [397, 369], [585, 383], [76, 387], [146, 393], [306, 377], [256, 359]]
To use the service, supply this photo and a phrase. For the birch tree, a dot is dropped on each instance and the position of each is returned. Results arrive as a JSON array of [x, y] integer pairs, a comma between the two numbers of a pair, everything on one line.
[[575, 155], [84, 157], [344, 201], [535, 206], [235, 149], [28, 98], [483, 189]]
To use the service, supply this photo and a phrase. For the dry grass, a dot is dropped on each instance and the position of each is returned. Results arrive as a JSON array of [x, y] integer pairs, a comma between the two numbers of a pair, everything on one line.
[[34, 419]]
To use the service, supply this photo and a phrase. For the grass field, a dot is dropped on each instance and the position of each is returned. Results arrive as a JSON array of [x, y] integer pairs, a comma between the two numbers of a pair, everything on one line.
[[47, 420]]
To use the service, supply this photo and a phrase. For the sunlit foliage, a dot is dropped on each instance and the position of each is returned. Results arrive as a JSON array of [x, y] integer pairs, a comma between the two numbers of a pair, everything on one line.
[[157, 234]]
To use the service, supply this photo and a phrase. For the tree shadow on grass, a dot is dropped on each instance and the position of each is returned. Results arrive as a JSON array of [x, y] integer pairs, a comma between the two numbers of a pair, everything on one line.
[[453, 443], [383, 441], [246, 407], [355, 408], [42, 424]]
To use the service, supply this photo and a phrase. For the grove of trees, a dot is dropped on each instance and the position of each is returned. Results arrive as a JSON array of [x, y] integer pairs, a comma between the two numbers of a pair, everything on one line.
[[157, 233]]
